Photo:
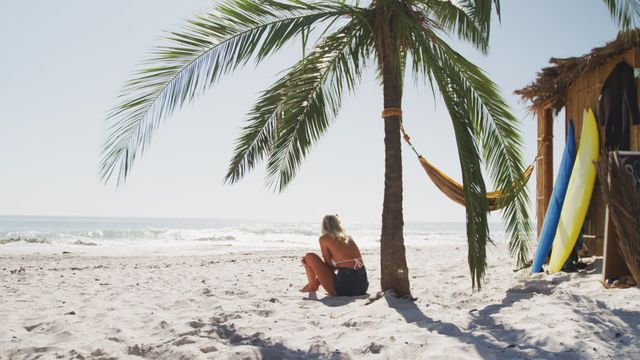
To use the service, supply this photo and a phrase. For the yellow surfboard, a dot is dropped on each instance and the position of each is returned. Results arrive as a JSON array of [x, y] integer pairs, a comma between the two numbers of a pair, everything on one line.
[[579, 190]]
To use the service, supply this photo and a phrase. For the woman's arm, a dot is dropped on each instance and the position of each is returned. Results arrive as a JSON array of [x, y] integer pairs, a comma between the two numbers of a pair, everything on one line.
[[326, 253], [358, 255]]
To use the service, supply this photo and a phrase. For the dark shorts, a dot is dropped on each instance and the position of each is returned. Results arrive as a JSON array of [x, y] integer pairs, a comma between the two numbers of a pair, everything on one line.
[[351, 282]]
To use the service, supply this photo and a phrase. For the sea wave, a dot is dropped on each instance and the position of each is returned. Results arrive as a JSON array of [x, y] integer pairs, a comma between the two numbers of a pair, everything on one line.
[[208, 233], [217, 238], [25, 240], [84, 243]]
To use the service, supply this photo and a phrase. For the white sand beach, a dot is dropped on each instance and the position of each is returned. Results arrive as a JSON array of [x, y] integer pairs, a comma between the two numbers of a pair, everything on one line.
[[166, 164], [247, 306]]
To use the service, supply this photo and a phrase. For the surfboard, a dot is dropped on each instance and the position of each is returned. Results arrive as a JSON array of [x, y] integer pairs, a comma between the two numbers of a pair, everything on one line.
[[579, 191], [551, 218]]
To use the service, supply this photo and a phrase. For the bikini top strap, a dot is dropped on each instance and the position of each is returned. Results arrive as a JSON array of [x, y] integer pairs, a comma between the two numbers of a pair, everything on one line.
[[358, 263]]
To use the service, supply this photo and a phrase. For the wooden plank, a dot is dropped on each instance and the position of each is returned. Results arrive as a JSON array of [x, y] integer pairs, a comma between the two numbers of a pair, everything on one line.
[[544, 165], [635, 137]]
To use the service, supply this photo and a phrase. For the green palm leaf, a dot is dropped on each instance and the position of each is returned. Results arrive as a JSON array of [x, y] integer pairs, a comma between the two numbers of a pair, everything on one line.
[[625, 12], [482, 9], [458, 17], [296, 109], [494, 129], [210, 46], [497, 132], [474, 186], [479, 11], [335, 65]]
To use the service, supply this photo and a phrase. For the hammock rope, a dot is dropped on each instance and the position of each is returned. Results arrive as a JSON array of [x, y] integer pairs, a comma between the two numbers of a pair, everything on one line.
[[450, 187]]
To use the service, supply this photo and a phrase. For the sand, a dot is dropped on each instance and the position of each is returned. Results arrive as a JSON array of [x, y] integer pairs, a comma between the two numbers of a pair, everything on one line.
[[247, 306]]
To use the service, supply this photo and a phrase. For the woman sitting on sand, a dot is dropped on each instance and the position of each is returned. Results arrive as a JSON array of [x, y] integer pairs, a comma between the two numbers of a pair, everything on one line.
[[340, 253]]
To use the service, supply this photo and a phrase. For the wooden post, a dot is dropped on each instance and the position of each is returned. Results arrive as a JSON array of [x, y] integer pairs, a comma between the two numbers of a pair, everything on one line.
[[544, 164]]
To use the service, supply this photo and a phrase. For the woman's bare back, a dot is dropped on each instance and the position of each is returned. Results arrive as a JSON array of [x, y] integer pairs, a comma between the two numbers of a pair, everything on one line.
[[343, 254]]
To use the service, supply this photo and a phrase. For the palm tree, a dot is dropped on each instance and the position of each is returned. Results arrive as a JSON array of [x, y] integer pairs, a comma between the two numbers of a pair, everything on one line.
[[398, 37]]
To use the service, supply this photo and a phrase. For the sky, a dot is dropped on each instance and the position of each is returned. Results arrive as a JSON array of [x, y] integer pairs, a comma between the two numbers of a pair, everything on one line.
[[65, 61]]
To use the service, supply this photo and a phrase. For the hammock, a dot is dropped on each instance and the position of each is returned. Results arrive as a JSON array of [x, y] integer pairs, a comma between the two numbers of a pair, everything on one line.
[[451, 188], [455, 191]]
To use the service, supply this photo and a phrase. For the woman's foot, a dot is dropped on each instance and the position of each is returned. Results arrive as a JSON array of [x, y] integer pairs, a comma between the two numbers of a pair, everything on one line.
[[310, 287]]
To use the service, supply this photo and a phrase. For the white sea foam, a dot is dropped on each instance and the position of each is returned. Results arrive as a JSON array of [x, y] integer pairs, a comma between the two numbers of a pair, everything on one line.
[[217, 235]]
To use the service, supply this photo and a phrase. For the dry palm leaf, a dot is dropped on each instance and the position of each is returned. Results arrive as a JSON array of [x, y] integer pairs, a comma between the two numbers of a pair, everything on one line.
[[622, 196]]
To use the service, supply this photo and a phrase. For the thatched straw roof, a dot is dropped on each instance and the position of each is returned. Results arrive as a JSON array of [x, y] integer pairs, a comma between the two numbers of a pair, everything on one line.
[[550, 87]]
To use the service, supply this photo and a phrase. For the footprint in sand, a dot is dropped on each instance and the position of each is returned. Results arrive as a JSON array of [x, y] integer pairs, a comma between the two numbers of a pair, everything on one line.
[[31, 327], [197, 324], [373, 348], [139, 350], [208, 349], [184, 341]]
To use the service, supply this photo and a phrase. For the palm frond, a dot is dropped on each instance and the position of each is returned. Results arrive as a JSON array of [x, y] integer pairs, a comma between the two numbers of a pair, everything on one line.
[[210, 46], [474, 186], [622, 197], [457, 17], [624, 12], [481, 11], [308, 110], [497, 132], [494, 128], [428, 60], [294, 112]]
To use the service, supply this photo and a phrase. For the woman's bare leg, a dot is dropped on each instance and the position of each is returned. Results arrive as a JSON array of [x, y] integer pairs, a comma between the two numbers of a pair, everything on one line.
[[313, 284], [320, 271]]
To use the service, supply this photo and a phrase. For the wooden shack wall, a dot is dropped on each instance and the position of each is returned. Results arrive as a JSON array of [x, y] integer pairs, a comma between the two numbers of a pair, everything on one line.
[[584, 94]]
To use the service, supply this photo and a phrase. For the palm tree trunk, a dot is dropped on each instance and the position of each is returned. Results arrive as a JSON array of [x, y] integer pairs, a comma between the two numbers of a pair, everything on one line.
[[393, 263]]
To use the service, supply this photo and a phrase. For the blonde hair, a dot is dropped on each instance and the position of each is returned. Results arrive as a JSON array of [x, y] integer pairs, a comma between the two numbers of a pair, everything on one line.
[[331, 225]]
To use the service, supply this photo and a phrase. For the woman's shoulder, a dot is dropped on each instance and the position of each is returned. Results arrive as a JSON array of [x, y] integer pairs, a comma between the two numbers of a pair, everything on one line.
[[326, 237], [330, 238]]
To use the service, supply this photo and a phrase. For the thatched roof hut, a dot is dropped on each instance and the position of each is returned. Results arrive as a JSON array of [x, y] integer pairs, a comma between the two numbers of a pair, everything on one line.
[[575, 84], [552, 84]]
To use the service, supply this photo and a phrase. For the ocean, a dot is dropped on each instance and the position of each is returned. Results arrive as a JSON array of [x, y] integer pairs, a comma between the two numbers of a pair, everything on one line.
[[173, 235]]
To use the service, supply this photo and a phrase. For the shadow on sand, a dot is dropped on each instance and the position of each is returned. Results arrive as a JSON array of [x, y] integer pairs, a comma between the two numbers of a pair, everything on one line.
[[335, 301], [615, 329], [342, 300], [489, 337], [258, 347]]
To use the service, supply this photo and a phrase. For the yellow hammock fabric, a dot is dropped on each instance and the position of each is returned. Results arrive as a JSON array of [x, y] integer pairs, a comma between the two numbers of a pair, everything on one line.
[[451, 188], [455, 191]]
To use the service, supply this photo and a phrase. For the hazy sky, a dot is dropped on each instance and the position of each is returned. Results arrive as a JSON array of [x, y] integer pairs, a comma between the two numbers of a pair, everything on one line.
[[64, 61]]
